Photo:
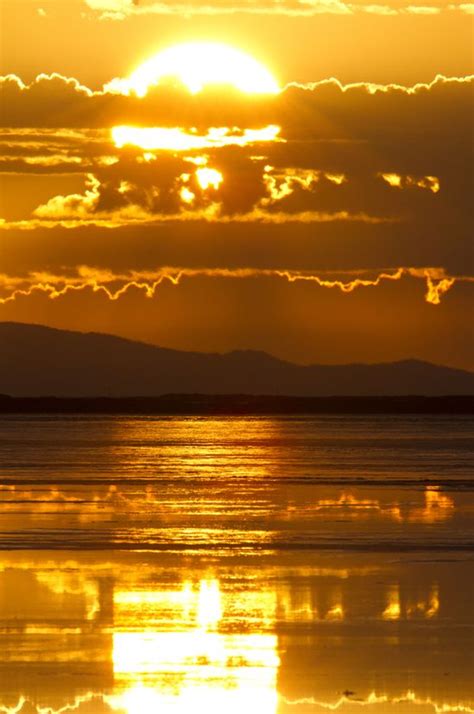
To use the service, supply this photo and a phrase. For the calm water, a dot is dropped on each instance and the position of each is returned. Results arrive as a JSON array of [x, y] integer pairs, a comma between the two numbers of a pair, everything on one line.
[[269, 565]]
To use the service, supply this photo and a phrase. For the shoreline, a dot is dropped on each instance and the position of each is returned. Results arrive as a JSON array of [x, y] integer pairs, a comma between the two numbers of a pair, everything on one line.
[[237, 405]]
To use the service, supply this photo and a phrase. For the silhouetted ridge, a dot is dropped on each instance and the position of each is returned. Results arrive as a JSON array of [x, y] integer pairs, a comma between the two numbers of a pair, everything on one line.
[[39, 361]]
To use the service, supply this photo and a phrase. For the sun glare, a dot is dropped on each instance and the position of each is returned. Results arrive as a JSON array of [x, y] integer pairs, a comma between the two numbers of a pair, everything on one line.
[[209, 177], [177, 139], [197, 65]]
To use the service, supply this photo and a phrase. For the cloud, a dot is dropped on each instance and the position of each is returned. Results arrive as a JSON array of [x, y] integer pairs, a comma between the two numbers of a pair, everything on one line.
[[114, 286], [195, 243], [123, 9], [54, 151], [326, 130], [74, 205], [338, 111], [368, 193], [324, 127]]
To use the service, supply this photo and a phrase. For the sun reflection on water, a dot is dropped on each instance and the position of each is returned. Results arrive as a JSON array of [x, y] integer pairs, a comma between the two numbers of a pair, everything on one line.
[[194, 667], [176, 639]]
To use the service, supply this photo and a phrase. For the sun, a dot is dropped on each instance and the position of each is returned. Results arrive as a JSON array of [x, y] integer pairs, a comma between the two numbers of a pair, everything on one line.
[[201, 64]]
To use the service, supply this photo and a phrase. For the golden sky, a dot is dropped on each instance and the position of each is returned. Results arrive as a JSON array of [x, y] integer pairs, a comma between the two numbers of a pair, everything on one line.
[[290, 176]]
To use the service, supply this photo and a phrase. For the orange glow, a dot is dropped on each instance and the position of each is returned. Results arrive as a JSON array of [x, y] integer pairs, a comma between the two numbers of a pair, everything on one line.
[[198, 646], [99, 281], [281, 183], [438, 507], [209, 177], [425, 608], [177, 139], [214, 672], [186, 195], [431, 183], [197, 65], [393, 180], [393, 609], [144, 699], [336, 612]]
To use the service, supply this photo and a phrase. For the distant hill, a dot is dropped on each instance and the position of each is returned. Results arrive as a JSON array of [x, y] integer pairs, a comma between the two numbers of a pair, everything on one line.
[[40, 361]]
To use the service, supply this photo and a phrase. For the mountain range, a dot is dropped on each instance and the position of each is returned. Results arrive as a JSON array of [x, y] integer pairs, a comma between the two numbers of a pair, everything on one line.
[[41, 361]]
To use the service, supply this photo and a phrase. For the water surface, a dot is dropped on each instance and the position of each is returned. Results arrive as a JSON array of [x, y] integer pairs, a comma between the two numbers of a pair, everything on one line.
[[271, 564]]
